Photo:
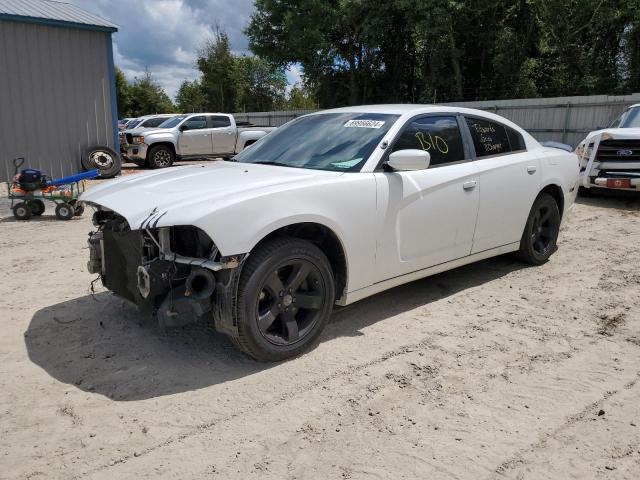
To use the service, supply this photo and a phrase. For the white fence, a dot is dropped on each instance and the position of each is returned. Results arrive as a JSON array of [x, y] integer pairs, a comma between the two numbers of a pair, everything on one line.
[[562, 119]]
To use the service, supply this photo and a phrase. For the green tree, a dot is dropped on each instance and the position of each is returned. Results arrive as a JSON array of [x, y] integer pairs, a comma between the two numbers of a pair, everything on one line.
[[147, 97], [190, 97], [123, 94], [301, 98], [365, 51], [261, 85], [219, 74]]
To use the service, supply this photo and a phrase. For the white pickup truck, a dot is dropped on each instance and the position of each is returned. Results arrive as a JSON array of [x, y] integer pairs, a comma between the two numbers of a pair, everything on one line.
[[610, 158], [197, 135]]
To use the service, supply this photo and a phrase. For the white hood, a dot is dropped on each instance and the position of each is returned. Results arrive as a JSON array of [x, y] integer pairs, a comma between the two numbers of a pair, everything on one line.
[[183, 195], [616, 134]]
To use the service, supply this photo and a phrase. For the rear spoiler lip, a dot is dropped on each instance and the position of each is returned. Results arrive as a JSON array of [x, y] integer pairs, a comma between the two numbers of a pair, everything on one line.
[[558, 145]]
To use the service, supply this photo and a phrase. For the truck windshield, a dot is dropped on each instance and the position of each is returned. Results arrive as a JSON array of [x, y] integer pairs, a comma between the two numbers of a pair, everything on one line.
[[172, 122], [326, 141], [629, 119]]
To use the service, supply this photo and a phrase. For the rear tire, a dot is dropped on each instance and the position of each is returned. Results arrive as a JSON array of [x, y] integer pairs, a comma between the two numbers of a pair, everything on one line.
[[160, 156], [37, 207], [540, 234], [285, 298]]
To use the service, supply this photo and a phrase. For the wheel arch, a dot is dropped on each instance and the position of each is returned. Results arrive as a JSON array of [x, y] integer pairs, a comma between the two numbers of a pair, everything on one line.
[[163, 143], [324, 238], [556, 192]]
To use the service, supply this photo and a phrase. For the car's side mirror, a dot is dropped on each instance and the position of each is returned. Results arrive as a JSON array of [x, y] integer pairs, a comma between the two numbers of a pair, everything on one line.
[[408, 160], [183, 127]]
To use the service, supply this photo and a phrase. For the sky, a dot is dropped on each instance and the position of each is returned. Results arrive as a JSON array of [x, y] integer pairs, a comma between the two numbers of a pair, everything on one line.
[[165, 35]]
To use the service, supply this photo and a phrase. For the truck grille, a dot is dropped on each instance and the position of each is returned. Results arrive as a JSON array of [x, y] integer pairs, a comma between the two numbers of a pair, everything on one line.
[[129, 138], [619, 151]]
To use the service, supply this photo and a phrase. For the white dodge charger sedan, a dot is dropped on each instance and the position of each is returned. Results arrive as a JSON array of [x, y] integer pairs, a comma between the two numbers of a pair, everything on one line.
[[328, 209]]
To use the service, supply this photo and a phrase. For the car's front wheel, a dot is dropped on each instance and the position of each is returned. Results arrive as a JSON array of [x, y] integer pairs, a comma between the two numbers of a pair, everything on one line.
[[160, 157], [541, 231], [285, 297]]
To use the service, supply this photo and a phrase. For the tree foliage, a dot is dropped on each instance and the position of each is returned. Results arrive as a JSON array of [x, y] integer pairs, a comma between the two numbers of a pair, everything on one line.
[[238, 83], [366, 51], [142, 97], [190, 97]]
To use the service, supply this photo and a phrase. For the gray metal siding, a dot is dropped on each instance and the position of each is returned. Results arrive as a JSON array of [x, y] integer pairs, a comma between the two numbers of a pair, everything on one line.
[[55, 98], [562, 119]]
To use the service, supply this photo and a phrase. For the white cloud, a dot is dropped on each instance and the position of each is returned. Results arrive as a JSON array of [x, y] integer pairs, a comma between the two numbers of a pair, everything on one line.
[[165, 35]]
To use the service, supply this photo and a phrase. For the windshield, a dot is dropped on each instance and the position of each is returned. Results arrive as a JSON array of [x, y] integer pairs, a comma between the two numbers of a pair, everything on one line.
[[326, 141], [629, 119], [133, 123], [172, 122]]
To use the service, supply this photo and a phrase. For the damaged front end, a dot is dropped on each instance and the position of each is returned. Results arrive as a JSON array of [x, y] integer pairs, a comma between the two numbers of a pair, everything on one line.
[[176, 273]]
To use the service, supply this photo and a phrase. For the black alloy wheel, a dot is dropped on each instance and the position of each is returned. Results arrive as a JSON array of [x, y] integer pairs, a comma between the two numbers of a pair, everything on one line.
[[285, 297], [290, 301], [540, 235]]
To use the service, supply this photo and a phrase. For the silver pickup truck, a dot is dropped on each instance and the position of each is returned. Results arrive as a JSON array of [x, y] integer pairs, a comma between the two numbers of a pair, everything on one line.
[[196, 135]]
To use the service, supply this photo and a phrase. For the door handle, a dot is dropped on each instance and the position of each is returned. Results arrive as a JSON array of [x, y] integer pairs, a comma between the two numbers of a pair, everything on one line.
[[469, 185], [531, 170]]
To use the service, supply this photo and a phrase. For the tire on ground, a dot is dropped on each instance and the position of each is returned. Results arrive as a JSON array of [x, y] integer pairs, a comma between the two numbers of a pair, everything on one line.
[[160, 156], [22, 211], [37, 206], [527, 252], [102, 158], [259, 265], [65, 211]]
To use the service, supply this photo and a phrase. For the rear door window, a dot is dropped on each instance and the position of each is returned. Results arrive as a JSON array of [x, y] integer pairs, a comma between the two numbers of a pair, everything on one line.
[[438, 135], [219, 121], [492, 138]]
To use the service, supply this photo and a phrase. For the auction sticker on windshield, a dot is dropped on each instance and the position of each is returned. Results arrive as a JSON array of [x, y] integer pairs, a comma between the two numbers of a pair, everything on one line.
[[364, 124]]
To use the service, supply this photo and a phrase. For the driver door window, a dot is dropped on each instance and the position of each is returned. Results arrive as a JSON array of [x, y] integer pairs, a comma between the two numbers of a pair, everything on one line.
[[195, 123], [440, 136]]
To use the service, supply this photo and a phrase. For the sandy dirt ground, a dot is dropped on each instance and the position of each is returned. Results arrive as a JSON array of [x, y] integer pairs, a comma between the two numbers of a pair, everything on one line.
[[493, 370]]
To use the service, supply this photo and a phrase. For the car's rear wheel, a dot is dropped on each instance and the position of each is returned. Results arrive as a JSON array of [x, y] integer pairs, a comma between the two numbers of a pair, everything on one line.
[[541, 231], [160, 157], [285, 297]]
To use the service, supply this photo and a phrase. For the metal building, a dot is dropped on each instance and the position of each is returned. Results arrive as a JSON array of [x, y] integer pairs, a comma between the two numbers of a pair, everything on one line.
[[57, 85]]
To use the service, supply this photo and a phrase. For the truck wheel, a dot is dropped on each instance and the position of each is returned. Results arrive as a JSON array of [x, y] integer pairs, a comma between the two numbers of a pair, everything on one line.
[[37, 207], [285, 297], [541, 231], [65, 211], [21, 211], [104, 159], [160, 157]]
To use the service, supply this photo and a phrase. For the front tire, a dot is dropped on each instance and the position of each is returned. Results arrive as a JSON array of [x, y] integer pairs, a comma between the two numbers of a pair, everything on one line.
[[540, 235], [285, 298], [160, 156], [65, 211], [21, 211]]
